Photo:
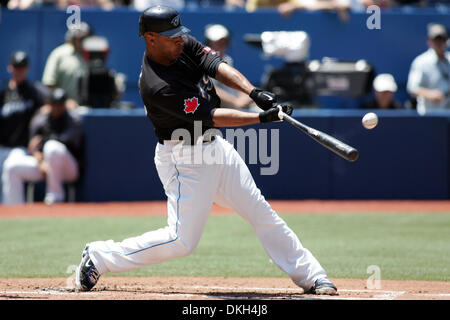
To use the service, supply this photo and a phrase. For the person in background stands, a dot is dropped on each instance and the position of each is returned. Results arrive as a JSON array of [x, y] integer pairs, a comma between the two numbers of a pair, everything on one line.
[[429, 76], [384, 87], [19, 101], [55, 153], [65, 67]]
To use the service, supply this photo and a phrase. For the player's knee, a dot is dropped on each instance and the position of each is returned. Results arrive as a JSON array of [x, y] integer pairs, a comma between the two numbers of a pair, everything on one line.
[[182, 248], [10, 168], [53, 149]]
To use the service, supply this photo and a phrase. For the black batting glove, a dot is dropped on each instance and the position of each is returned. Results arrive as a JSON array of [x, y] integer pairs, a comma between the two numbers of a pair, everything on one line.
[[271, 115], [263, 99]]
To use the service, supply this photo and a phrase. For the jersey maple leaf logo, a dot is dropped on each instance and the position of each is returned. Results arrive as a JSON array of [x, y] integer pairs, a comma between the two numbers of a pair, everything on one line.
[[190, 105]]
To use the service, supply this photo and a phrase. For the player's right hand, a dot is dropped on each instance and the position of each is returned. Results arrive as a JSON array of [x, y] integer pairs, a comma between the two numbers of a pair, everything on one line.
[[263, 99], [272, 114]]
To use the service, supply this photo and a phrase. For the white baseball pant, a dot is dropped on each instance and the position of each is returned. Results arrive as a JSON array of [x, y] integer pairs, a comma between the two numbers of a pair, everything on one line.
[[21, 167], [191, 190]]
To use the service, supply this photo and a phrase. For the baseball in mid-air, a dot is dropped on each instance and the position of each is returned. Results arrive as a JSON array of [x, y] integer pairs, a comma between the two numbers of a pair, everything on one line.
[[370, 120]]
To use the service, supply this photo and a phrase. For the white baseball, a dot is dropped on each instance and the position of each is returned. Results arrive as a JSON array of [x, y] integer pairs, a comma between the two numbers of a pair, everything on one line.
[[370, 120]]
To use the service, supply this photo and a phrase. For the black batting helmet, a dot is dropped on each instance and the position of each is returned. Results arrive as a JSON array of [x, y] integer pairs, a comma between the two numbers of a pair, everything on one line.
[[163, 20]]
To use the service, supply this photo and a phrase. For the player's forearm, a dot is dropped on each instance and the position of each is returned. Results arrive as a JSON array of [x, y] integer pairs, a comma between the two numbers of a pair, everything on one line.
[[223, 117], [421, 91], [233, 78], [240, 101], [227, 98], [434, 95]]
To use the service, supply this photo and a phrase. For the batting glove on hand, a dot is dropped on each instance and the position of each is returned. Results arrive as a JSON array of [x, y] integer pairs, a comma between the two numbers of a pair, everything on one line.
[[263, 99], [271, 115]]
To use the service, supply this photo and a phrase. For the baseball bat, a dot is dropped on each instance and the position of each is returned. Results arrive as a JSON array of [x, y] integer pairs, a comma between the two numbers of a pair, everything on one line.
[[340, 148]]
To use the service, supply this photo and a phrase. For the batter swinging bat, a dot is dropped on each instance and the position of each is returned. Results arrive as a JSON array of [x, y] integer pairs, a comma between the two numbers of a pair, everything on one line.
[[344, 150]]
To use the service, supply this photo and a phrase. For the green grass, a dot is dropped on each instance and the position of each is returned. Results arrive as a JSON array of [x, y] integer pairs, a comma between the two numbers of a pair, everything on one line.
[[404, 246]]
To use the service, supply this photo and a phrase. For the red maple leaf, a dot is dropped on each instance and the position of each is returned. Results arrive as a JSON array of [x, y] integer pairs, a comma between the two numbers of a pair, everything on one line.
[[190, 105]]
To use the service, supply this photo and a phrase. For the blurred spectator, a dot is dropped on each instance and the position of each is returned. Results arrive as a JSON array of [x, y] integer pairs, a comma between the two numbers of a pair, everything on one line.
[[62, 4], [218, 38], [341, 6], [141, 5], [420, 3], [20, 4], [18, 103], [383, 4], [384, 86], [103, 4], [65, 67], [235, 3], [54, 154], [429, 76], [286, 7]]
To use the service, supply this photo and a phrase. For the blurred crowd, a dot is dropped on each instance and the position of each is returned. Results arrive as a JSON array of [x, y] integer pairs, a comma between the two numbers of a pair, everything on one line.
[[285, 7]]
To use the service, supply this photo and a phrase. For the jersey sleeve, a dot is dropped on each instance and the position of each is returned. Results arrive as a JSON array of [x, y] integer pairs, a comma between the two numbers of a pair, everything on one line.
[[185, 105], [203, 56], [72, 136], [416, 77], [49, 74], [36, 125]]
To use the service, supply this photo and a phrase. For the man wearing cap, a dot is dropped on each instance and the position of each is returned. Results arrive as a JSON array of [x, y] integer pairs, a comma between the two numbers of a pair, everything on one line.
[[385, 87], [19, 101], [185, 111], [55, 151], [429, 76], [217, 37], [65, 67]]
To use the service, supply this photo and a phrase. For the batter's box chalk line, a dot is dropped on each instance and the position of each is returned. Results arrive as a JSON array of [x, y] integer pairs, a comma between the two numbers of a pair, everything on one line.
[[376, 294]]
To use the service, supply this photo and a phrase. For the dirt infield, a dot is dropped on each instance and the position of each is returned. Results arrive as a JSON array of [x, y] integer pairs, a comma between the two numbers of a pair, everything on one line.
[[198, 288], [159, 208]]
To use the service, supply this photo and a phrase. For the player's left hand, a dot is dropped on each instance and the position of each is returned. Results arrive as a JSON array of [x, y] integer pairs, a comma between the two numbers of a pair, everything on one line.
[[272, 114], [263, 99]]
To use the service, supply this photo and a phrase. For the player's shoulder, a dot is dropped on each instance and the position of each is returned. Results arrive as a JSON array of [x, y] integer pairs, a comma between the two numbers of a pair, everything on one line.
[[191, 44], [150, 83], [189, 39], [74, 117], [62, 50], [39, 119], [425, 58]]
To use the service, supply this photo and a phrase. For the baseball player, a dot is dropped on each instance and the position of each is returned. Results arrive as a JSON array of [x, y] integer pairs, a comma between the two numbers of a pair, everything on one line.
[[177, 95]]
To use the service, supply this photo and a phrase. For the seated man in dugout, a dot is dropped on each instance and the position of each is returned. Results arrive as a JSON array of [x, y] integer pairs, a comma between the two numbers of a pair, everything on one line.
[[54, 154]]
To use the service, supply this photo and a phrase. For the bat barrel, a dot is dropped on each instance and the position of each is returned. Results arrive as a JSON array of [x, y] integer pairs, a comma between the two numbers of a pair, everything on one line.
[[353, 155], [340, 148]]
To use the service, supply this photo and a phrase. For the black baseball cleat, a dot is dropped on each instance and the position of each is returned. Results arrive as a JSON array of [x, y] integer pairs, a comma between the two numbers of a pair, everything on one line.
[[323, 286], [87, 274]]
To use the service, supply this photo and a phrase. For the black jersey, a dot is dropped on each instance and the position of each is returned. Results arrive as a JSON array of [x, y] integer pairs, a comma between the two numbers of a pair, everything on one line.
[[17, 106], [177, 95]]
